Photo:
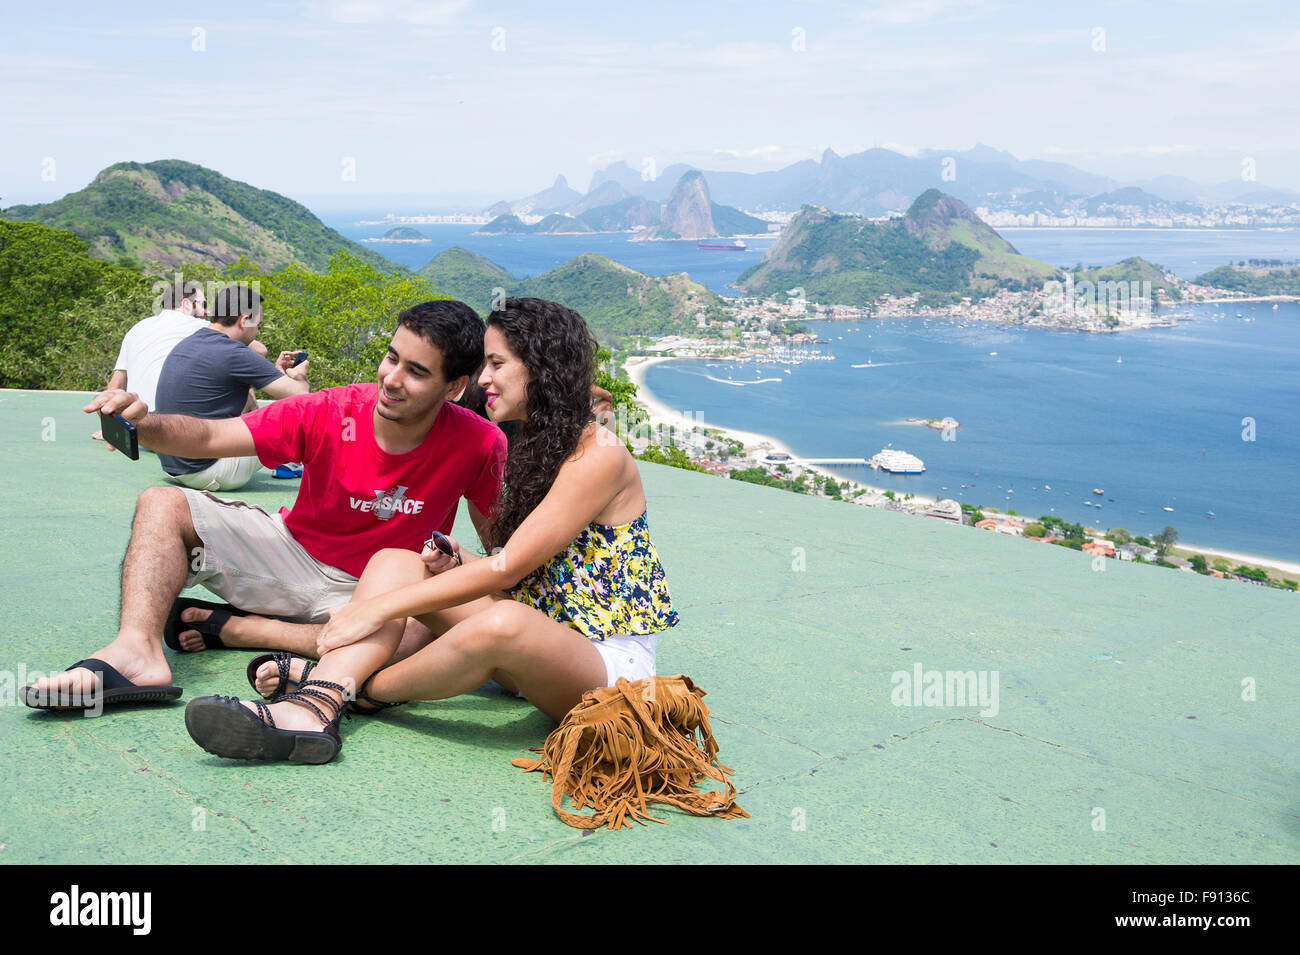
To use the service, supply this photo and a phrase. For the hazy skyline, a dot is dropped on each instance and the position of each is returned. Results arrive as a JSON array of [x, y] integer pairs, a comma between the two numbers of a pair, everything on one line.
[[330, 100]]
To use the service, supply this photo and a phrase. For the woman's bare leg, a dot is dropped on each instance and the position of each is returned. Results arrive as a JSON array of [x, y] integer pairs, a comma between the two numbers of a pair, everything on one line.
[[350, 666], [417, 635], [551, 665]]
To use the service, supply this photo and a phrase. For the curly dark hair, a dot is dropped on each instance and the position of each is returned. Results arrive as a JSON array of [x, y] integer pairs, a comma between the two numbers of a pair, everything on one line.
[[559, 352]]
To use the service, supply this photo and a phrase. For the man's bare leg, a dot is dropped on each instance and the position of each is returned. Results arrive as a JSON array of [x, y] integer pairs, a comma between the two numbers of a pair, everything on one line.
[[253, 633], [153, 574]]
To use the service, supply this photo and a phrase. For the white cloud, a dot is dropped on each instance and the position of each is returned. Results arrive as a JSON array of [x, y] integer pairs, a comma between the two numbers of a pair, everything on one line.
[[899, 12], [757, 152], [409, 12]]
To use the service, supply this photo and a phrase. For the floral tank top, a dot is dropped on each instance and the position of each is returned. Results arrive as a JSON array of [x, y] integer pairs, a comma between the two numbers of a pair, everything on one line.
[[609, 581]]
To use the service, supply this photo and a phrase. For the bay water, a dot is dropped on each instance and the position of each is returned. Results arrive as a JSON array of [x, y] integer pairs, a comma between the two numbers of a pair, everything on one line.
[[1200, 418]]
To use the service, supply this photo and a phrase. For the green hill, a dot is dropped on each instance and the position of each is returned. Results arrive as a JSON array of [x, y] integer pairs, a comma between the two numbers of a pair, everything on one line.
[[406, 234], [616, 301], [1132, 269], [939, 249], [1253, 280], [505, 224], [731, 221], [468, 276], [172, 212]]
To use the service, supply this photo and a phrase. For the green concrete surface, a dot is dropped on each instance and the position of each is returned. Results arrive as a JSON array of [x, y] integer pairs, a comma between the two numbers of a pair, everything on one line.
[[1120, 690]]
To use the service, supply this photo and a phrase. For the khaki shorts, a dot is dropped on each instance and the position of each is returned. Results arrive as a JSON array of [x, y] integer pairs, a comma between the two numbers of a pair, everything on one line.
[[251, 561], [224, 474]]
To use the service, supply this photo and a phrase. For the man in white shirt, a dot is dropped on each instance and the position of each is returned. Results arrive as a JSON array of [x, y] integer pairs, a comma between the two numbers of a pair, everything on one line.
[[149, 342]]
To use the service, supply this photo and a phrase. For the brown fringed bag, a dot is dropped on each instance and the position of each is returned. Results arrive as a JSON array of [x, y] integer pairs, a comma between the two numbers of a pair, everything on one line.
[[631, 744]]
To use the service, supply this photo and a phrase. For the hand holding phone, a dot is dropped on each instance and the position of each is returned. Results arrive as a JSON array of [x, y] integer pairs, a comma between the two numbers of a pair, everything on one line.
[[120, 435]]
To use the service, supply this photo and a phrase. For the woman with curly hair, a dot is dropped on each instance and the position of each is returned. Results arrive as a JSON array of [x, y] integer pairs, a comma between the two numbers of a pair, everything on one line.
[[571, 598]]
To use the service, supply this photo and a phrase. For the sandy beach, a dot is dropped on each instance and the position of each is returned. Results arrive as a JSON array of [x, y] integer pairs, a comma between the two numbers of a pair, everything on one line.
[[1290, 568], [660, 413], [637, 367]]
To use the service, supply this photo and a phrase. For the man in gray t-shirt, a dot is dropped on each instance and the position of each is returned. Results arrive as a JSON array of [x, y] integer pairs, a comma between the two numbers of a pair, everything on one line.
[[211, 374]]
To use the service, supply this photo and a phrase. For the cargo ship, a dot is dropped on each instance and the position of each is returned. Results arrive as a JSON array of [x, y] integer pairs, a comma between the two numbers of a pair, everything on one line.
[[735, 245]]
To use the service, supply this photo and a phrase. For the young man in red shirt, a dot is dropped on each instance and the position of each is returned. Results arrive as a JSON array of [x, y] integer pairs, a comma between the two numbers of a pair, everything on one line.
[[383, 465]]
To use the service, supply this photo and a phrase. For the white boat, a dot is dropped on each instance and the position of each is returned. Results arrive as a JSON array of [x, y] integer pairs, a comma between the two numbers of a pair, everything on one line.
[[993, 354], [897, 462], [1119, 361]]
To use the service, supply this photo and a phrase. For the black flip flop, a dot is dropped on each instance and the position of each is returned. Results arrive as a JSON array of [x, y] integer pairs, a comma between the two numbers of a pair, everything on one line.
[[210, 629], [114, 689]]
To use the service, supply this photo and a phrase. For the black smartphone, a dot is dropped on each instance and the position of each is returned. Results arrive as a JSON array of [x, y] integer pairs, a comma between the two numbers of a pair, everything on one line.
[[120, 433], [298, 359]]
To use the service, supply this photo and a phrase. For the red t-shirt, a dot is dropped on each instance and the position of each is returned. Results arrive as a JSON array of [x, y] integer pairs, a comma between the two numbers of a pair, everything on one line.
[[355, 498]]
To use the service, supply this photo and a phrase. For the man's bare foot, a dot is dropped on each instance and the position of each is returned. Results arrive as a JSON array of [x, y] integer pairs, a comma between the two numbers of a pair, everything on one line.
[[140, 662], [234, 633], [97, 436]]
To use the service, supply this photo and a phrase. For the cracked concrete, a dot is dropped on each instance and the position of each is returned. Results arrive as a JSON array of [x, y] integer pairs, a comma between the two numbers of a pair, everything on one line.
[[1123, 735]]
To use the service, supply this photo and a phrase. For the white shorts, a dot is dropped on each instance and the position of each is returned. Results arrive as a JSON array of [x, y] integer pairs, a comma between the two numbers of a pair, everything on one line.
[[631, 656]]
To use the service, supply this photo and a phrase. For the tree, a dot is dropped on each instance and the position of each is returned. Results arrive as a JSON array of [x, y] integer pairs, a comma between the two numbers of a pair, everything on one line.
[[1119, 535], [1165, 540], [673, 457], [344, 316], [1251, 573], [1035, 530], [63, 313], [627, 413], [1198, 564], [1222, 564]]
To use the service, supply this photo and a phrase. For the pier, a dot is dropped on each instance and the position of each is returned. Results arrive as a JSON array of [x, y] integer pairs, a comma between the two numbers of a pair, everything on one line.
[[852, 462]]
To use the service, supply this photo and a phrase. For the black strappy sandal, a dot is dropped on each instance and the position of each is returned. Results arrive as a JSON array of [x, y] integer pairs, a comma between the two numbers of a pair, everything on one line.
[[363, 696], [223, 727], [283, 661]]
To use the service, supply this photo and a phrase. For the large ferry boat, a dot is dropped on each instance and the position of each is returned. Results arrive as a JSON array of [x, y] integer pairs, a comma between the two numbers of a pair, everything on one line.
[[735, 245], [897, 462]]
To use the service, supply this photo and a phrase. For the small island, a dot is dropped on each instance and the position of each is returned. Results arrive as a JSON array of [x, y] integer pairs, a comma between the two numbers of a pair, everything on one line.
[[939, 424], [402, 234]]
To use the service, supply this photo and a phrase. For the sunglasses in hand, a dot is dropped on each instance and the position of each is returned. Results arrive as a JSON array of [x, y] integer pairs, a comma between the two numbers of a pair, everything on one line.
[[440, 542]]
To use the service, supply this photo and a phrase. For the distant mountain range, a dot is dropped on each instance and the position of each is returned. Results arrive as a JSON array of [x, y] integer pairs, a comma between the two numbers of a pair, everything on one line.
[[171, 212], [940, 249], [687, 213], [616, 301], [880, 181]]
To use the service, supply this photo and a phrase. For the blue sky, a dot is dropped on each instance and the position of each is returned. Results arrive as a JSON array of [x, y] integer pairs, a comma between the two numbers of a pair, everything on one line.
[[492, 100]]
